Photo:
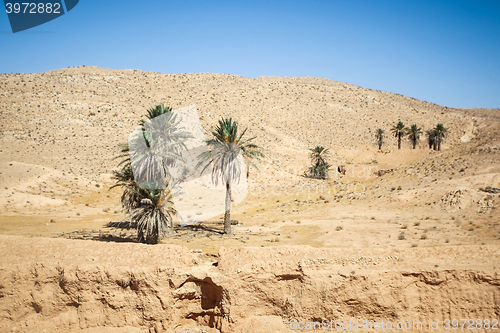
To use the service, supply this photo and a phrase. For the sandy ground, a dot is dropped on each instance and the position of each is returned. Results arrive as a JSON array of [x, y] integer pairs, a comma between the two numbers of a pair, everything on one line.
[[61, 285], [59, 132]]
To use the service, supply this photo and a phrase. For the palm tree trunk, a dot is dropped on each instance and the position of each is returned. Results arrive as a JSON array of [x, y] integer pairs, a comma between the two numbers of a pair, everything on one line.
[[414, 144], [155, 239], [171, 226], [227, 214], [399, 142]]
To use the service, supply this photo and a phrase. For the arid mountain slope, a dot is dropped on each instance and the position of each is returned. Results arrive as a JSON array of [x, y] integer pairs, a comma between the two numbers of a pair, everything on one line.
[[404, 235], [59, 133], [73, 118]]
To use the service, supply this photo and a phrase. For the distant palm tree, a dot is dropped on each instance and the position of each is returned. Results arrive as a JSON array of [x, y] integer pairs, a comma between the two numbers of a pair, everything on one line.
[[399, 132], [380, 138], [439, 135], [318, 154], [431, 138], [225, 150], [320, 166], [414, 134]]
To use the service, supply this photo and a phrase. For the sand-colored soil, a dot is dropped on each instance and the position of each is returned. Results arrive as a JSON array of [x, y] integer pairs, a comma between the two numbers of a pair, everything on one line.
[[301, 245], [50, 285]]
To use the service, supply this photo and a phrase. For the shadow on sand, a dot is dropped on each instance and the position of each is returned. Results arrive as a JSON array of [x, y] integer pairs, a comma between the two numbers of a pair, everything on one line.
[[125, 232]]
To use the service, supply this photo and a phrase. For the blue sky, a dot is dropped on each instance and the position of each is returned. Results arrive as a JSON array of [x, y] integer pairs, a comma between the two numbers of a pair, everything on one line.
[[446, 52]]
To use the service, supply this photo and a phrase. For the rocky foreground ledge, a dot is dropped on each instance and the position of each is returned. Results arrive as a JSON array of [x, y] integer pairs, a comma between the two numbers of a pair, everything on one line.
[[49, 285]]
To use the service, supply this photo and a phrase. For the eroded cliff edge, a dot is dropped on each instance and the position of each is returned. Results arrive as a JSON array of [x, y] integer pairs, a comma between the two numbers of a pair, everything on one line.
[[68, 285]]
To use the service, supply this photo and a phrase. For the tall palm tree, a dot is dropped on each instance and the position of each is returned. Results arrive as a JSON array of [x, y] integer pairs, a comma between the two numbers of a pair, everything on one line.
[[431, 138], [380, 138], [225, 150], [320, 166], [143, 173], [399, 132], [414, 134], [439, 135]]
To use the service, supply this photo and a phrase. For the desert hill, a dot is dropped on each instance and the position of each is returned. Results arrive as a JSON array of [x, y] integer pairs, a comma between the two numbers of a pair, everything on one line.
[[419, 217], [59, 133], [84, 112]]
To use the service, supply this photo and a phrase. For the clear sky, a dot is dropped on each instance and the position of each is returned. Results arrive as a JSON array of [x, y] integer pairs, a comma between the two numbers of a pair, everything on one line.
[[446, 52]]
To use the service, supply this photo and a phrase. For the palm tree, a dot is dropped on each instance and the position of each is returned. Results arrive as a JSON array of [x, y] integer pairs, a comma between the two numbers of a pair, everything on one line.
[[439, 135], [158, 146], [225, 150], [399, 132], [414, 134], [143, 173], [320, 166], [431, 138], [156, 111], [125, 178], [380, 138], [154, 148], [153, 216]]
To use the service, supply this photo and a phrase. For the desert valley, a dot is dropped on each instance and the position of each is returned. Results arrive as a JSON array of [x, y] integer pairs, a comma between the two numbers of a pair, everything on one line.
[[401, 235]]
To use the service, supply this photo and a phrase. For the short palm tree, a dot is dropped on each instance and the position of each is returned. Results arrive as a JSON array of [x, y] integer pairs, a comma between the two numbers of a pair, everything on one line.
[[153, 215], [414, 134], [439, 135], [399, 132], [320, 166], [225, 150], [380, 137]]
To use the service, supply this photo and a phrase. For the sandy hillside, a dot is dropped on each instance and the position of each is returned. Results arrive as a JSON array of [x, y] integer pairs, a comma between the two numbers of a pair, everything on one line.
[[59, 133]]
